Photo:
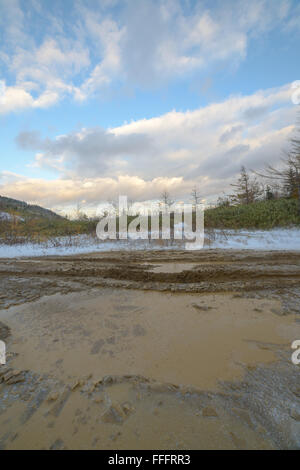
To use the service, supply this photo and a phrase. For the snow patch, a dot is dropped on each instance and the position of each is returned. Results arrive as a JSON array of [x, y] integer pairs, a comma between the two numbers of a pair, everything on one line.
[[5, 216], [277, 239]]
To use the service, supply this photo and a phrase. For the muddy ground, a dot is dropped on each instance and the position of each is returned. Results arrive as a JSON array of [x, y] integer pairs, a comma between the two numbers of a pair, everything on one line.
[[150, 349]]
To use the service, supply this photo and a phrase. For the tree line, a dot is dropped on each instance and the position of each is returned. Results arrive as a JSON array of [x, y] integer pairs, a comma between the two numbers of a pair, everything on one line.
[[271, 183]]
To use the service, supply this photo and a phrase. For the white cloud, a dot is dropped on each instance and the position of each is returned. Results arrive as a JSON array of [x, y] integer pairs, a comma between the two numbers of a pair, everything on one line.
[[48, 56], [176, 150], [67, 192], [14, 98]]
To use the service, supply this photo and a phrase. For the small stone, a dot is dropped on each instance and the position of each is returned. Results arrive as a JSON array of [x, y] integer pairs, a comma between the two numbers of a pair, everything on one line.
[[203, 308], [9, 374], [114, 414], [295, 415], [16, 379], [58, 445], [98, 399], [75, 385], [53, 396], [13, 377], [209, 412], [127, 408]]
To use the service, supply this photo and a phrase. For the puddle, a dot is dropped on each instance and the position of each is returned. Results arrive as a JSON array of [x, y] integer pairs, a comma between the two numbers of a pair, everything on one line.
[[120, 369], [124, 416], [183, 339], [28, 261], [171, 267]]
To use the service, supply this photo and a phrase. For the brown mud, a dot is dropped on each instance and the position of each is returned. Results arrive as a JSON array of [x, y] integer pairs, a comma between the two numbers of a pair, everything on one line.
[[174, 349], [207, 271]]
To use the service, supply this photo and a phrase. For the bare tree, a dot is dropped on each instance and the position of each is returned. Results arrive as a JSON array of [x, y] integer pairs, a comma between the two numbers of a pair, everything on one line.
[[166, 199], [288, 175], [80, 215], [196, 198], [247, 189], [223, 201]]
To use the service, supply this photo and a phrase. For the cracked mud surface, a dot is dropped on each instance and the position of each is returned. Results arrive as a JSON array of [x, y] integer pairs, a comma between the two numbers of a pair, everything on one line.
[[159, 350]]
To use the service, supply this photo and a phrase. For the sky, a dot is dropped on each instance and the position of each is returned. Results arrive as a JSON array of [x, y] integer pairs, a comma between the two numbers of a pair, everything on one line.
[[100, 98]]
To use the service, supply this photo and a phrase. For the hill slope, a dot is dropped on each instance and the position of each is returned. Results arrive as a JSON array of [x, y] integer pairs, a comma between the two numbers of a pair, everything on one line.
[[23, 209]]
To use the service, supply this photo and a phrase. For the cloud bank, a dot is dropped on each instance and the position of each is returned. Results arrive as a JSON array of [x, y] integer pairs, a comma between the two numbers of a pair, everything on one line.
[[174, 151]]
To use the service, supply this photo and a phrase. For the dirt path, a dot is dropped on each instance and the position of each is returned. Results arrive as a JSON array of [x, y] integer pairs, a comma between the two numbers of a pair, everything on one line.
[[204, 271], [150, 350]]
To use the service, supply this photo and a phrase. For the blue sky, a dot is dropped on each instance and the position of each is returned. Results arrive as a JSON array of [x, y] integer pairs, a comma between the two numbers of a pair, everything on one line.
[[100, 98]]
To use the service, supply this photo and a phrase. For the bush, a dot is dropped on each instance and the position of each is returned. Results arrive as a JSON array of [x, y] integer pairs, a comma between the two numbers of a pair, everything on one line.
[[258, 215]]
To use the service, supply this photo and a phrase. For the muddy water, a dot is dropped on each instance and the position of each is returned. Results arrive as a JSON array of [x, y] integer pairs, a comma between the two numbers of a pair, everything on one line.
[[125, 417], [150, 350], [182, 339], [171, 267], [113, 368]]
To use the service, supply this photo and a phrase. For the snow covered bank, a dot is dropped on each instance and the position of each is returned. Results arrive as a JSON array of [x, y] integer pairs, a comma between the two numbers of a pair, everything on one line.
[[79, 245], [277, 239]]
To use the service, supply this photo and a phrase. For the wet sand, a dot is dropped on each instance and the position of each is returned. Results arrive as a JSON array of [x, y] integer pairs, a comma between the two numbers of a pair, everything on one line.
[[150, 350]]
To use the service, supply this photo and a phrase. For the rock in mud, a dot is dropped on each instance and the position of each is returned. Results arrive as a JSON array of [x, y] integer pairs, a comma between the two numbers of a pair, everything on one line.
[[53, 396], [76, 384], [58, 445], [114, 414], [127, 408], [13, 377], [3, 371], [60, 402], [209, 412], [4, 331], [295, 415], [203, 308]]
